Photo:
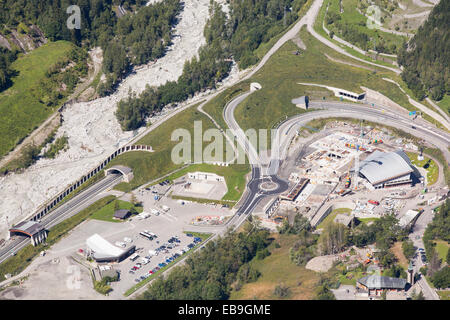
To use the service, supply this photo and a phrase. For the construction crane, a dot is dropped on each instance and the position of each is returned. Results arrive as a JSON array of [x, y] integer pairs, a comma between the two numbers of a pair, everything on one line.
[[356, 171]]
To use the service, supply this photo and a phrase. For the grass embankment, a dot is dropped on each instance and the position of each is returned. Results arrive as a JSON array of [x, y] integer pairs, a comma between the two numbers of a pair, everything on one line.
[[277, 269], [280, 75], [367, 220], [107, 212], [203, 236], [444, 104], [428, 164], [234, 177], [215, 107], [16, 264], [150, 166], [444, 295], [442, 248], [26, 104], [330, 218]]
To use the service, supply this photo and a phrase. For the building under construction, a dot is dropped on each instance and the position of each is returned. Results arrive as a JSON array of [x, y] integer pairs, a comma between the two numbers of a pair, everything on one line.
[[295, 191]]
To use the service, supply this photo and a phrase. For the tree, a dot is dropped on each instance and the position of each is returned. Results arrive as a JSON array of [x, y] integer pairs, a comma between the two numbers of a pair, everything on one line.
[[333, 238], [324, 293], [435, 262], [408, 248], [441, 279], [281, 291]]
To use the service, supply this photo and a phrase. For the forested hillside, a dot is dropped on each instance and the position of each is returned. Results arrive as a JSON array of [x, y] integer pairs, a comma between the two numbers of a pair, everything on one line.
[[211, 273], [426, 58], [138, 37], [250, 23]]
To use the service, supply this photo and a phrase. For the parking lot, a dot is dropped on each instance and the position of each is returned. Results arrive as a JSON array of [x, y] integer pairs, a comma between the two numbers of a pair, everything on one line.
[[150, 257], [167, 224]]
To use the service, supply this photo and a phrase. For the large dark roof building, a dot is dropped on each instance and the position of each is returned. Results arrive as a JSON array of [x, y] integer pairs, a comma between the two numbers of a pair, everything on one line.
[[122, 214], [376, 284]]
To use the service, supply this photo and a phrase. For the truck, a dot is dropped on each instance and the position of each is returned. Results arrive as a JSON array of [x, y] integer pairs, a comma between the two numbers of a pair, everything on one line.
[[134, 257]]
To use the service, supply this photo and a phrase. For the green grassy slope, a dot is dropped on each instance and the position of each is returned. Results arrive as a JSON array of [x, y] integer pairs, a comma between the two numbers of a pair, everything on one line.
[[20, 109]]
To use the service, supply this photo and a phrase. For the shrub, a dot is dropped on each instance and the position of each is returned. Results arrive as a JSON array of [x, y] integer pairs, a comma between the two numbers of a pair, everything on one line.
[[281, 291]]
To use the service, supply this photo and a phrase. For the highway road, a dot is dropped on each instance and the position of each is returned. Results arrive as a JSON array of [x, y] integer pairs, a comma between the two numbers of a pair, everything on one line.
[[66, 210]]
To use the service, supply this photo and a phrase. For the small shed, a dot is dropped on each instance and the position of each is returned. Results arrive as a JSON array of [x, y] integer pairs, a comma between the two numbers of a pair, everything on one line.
[[122, 214]]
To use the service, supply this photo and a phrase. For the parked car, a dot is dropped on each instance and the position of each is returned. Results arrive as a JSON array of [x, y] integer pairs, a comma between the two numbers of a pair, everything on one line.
[[189, 235], [151, 272], [131, 271], [156, 268], [137, 280]]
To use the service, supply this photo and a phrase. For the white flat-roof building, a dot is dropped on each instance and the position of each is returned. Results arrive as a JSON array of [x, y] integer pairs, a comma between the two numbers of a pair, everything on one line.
[[205, 176]]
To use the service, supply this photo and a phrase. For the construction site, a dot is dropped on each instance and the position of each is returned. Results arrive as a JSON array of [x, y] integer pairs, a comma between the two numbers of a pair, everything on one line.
[[362, 169]]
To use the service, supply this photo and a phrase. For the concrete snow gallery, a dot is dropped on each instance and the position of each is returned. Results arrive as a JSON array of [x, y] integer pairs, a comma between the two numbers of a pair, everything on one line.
[[189, 310]]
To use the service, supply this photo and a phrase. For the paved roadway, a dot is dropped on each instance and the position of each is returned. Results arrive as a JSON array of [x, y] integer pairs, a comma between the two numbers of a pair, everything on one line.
[[416, 236], [287, 130], [66, 210]]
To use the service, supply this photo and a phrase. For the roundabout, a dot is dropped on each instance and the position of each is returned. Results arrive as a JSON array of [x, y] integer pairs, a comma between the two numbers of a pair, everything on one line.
[[268, 186]]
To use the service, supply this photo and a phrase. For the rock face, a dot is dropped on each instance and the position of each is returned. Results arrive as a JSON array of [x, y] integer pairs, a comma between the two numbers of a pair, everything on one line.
[[25, 42]]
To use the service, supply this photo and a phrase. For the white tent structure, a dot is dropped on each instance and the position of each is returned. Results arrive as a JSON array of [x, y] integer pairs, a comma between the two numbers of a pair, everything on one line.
[[102, 250]]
